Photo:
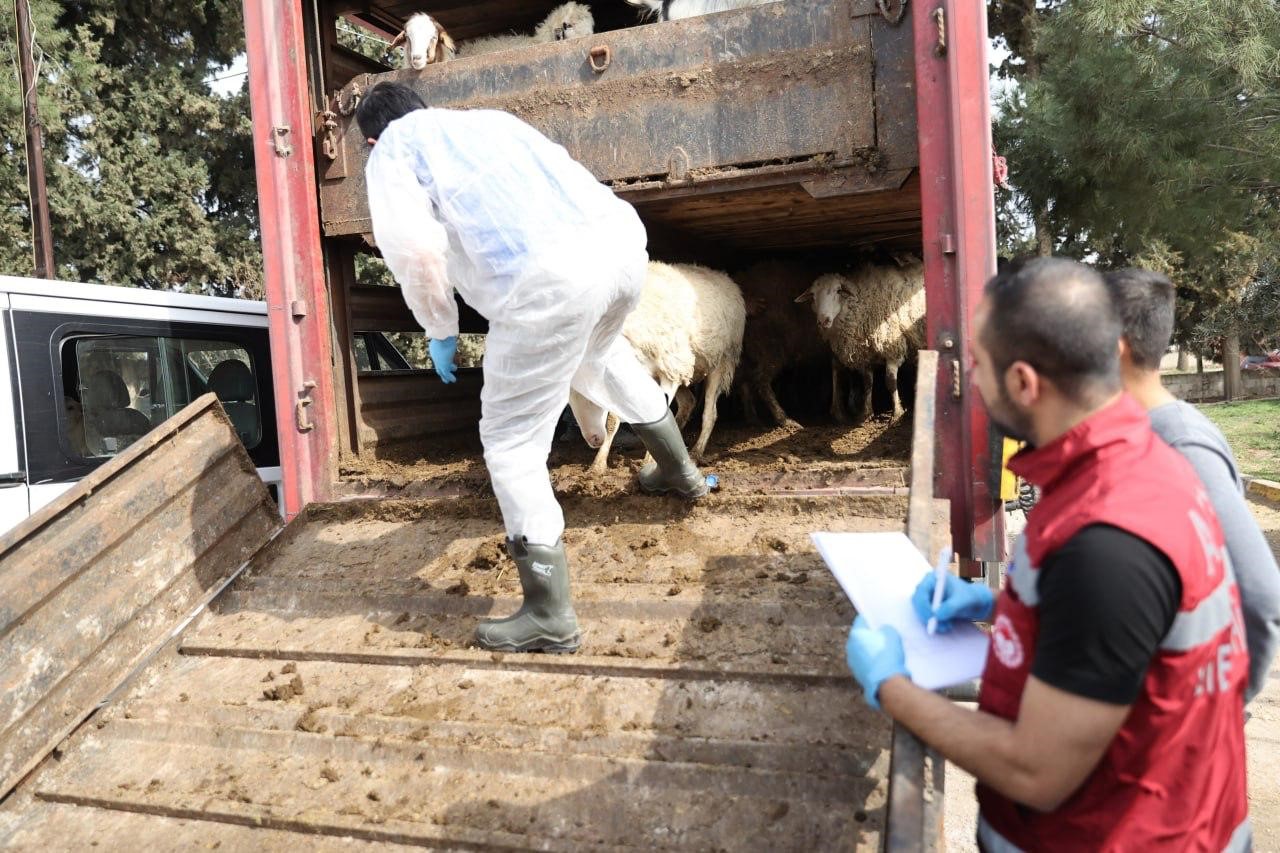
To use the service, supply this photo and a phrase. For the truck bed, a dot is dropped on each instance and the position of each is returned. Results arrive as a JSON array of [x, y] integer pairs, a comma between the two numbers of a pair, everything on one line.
[[330, 692]]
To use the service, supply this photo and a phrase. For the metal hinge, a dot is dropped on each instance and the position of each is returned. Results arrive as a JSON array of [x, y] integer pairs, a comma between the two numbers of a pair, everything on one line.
[[886, 10], [280, 139], [328, 120], [10, 479], [949, 347], [300, 418]]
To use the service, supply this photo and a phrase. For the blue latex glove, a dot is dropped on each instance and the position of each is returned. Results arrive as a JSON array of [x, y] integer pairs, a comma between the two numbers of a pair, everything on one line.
[[442, 352], [961, 601], [874, 656]]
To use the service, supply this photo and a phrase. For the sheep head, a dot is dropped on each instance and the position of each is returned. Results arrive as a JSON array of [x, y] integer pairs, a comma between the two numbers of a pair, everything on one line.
[[592, 419], [567, 21], [827, 295], [427, 42]]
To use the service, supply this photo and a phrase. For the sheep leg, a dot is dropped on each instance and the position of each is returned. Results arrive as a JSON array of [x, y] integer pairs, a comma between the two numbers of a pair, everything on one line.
[[747, 397], [601, 463], [685, 404], [868, 382], [838, 412], [891, 380], [710, 395], [776, 411]]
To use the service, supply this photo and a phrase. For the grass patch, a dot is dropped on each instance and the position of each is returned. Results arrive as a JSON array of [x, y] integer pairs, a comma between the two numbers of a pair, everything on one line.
[[1253, 429]]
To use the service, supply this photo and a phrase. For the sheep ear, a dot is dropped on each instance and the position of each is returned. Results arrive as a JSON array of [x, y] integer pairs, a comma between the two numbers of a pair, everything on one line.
[[445, 48], [807, 296], [398, 40]]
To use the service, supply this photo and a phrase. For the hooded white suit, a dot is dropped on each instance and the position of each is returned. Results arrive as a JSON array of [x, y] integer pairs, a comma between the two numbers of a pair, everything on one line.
[[480, 202]]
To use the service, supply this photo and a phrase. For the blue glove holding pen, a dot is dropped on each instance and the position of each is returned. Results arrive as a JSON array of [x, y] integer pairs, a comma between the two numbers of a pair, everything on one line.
[[961, 601], [442, 352]]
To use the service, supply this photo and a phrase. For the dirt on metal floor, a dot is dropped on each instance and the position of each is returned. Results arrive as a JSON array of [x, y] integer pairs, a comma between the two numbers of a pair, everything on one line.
[[747, 459], [332, 690]]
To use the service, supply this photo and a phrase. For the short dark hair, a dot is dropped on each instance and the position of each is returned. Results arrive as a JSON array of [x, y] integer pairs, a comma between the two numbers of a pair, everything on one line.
[[383, 104], [1056, 315], [1144, 300]]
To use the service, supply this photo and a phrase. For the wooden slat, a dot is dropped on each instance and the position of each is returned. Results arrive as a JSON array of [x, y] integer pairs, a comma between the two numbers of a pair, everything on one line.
[[915, 796], [95, 582], [406, 405], [800, 74]]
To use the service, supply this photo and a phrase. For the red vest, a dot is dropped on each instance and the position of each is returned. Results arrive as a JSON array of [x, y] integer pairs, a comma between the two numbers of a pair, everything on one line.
[[1174, 776]]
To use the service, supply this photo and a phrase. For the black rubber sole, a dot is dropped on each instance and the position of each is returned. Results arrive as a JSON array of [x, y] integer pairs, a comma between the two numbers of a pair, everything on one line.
[[550, 647]]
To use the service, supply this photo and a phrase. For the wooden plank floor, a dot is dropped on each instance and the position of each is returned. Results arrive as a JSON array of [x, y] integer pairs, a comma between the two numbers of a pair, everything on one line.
[[709, 707]]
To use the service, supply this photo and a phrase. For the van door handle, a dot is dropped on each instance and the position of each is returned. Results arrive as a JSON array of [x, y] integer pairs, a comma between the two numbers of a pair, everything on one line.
[[13, 478]]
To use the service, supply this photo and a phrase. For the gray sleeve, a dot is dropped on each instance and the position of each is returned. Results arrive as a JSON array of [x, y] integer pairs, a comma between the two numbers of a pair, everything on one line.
[[1256, 571]]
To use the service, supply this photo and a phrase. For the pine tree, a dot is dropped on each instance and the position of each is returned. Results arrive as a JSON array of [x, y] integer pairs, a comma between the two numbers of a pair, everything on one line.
[[150, 173], [1146, 131]]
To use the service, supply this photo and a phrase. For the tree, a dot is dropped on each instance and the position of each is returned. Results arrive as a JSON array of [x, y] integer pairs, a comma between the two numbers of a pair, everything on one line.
[[150, 173], [1145, 131]]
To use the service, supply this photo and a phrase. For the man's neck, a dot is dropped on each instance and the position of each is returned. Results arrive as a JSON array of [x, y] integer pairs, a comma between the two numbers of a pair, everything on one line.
[[1062, 417], [1145, 387]]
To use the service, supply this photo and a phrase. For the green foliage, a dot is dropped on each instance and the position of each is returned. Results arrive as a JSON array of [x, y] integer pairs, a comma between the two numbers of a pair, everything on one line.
[[150, 173], [1252, 428], [1146, 130]]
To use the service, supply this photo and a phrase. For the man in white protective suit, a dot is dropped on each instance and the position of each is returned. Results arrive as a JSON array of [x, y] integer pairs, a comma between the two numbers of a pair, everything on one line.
[[479, 202]]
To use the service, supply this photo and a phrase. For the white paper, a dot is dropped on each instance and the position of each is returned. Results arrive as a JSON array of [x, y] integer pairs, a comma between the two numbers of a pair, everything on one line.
[[879, 572]]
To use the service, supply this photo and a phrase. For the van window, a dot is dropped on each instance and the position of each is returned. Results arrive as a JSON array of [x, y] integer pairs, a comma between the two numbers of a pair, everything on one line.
[[117, 387]]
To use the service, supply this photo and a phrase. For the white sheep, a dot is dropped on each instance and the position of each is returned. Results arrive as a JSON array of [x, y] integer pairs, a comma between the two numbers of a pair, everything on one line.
[[686, 328], [425, 42], [675, 10], [567, 21], [874, 315]]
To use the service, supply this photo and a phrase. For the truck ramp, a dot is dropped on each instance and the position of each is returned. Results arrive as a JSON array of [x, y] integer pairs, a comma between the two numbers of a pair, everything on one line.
[[329, 699]]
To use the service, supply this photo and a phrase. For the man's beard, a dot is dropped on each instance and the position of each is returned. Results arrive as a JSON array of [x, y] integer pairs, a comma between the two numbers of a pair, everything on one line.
[[1010, 420]]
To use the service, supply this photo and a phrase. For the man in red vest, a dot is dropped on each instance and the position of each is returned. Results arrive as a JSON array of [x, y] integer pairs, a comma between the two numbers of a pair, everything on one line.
[[1111, 715]]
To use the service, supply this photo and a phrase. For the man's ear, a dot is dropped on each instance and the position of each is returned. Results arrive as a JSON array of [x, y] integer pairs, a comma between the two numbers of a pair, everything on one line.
[[1125, 351], [1023, 383]]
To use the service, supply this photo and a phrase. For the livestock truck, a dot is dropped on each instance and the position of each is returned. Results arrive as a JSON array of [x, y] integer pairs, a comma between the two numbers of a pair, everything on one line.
[[183, 668]]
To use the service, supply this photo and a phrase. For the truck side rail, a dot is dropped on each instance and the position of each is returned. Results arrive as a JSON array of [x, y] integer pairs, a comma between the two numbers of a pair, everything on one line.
[[94, 583]]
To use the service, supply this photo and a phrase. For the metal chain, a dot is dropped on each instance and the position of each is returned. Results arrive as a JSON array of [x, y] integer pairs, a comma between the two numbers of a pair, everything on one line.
[[885, 5], [346, 108]]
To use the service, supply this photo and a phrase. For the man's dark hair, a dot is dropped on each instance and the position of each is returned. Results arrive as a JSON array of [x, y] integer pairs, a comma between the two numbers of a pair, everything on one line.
[[383, 104], [1056, 315], [1144, 300]]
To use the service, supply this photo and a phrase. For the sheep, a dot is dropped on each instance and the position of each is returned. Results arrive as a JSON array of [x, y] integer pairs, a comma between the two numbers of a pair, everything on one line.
[[675, 10], [779, 333], [874, 315], [567, 21], [686, 328], [425, 42]]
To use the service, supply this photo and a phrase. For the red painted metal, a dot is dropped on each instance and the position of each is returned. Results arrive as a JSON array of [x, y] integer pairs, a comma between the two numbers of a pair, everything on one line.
[[297, 302], [958, 212]]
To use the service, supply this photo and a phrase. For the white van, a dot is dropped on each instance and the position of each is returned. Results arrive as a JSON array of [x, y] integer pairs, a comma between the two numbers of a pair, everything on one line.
[[86, 369]]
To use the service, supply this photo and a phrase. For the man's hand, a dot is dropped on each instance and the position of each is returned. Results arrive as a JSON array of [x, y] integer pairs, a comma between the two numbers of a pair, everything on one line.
[[874, 656], [961, 601], [442, 352]]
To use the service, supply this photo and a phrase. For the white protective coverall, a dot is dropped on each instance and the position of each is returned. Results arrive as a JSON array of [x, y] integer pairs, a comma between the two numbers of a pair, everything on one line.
[[480, 202]]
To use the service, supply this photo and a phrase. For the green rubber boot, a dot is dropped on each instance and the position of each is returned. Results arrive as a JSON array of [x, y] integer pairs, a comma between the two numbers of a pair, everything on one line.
[[545, 621], [671, 470]]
